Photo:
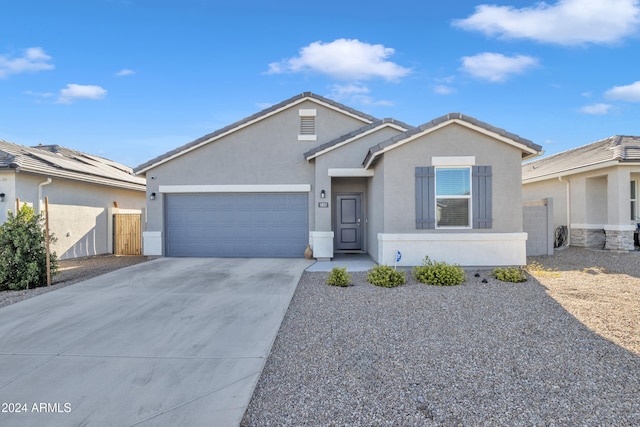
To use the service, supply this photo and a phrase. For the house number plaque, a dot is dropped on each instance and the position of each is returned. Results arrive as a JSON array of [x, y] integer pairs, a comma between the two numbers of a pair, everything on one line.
[[323, 204]]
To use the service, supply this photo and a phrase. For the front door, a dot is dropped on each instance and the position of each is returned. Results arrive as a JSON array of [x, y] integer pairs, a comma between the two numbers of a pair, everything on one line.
[[349, 222]]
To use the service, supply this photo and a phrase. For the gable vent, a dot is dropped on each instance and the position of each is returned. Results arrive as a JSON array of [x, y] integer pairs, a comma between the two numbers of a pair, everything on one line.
[[307, 125]]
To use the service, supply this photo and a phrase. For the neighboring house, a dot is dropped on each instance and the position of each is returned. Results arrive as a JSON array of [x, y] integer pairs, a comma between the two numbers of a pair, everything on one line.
[[83, 191], [594, 190], [312, 171]]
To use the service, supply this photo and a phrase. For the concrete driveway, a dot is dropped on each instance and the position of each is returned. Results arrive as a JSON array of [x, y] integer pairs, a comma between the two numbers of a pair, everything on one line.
[[169, 342]]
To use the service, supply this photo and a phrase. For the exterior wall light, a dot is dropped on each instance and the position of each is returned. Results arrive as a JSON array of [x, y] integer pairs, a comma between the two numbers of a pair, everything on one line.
[[2, 197], [323, 194], [152, 196]]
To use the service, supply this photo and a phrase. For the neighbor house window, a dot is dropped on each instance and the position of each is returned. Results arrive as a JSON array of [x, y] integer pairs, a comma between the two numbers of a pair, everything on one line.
[[307, 125], [634, 201], [453, 197]]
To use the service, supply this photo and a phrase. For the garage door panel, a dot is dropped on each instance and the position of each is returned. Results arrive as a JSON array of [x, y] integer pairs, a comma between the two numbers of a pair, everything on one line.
[[236, 225]]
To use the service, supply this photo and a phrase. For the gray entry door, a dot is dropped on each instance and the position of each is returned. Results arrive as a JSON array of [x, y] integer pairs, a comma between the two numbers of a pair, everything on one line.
[[349, 222], [236, 225]]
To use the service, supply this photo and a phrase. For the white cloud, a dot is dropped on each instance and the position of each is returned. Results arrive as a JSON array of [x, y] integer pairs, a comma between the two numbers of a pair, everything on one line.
[[568, 22], [496, 67], [596, 109], [75, 91], [355, 94], [443, 89], [625, 93], [343, 59], [33, 59], [125, 72], [39, 94]]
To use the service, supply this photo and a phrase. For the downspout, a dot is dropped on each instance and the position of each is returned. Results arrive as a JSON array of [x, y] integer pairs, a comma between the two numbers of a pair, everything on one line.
[[42, 184], [568, 209]]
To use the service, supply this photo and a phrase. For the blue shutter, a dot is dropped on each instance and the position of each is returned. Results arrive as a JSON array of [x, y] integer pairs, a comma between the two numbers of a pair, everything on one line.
[[482, 196], [425, 198]]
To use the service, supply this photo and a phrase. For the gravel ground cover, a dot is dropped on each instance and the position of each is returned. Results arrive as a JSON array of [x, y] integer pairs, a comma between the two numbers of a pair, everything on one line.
[[73, 271], [560, 349]]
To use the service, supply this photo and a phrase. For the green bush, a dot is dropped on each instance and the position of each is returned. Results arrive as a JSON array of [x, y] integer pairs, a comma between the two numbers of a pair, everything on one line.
[[439, 273], [510, 274], [23, 251], [385, 276], [339, 277]]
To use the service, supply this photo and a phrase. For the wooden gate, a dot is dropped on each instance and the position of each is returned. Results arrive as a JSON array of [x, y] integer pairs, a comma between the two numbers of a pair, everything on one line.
[[126, 234]]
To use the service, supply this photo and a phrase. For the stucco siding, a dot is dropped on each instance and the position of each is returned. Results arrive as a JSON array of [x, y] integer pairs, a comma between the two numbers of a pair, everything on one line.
[[453, 140], [267, 153], [376, 209], [78, 212], [550, 189]]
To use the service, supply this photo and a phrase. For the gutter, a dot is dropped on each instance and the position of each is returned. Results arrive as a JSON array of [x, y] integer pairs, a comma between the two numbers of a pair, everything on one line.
[[42, 184]]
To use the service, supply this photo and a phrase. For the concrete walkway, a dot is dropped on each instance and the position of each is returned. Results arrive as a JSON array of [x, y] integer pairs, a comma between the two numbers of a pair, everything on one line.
[[169, 342], [353, 262]]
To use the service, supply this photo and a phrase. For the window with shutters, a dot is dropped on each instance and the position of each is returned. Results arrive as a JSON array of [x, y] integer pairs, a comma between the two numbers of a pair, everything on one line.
[[307, 125], [453, 197]]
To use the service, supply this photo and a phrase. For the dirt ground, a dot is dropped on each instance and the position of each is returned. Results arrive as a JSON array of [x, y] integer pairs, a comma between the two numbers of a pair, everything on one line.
[[600, 288], [72, 271]]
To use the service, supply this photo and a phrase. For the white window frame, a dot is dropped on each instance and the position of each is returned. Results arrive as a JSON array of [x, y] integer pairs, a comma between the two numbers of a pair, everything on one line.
[[468, 197]]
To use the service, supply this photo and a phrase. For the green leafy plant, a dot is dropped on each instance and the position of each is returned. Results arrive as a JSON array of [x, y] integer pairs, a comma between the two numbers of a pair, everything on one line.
[[23, 251], [385, 276], [510, 274], [439, 273], [339, 277]]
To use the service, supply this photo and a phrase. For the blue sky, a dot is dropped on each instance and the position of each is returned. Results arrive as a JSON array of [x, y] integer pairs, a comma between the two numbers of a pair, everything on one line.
[[132, 79]]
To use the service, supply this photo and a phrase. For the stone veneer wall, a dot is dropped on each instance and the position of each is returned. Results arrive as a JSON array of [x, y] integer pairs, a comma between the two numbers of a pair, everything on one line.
[[588, 237], [620, 240]]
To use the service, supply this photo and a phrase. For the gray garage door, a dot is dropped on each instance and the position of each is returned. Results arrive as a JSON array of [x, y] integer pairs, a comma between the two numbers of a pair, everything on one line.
[[236, 225]]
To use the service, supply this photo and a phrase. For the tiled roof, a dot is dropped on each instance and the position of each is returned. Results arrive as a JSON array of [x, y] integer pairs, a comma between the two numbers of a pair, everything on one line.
[[55, 161], [616, 148], [377, 149], [257, 116], [354, 134]]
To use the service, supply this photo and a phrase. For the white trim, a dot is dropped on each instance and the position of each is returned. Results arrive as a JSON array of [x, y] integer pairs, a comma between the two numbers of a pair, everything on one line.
[[307, 112], [152, 243], [466, 124], [454, 161], [607, 227], [466, 249], [574, 171], [620, 227], [589, 226], [362, 135], [451, 237], [251, 122], [232, 188], [468, 197], [307, 138], [350, 172]]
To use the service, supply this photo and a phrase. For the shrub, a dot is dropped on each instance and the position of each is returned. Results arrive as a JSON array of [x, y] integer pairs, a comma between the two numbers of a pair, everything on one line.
[[385, 276], [511, 274], [439, 273], [339, 277], [23, 251]]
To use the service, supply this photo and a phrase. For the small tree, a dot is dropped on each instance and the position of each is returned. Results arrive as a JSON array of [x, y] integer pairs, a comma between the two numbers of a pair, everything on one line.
[[23, 250]]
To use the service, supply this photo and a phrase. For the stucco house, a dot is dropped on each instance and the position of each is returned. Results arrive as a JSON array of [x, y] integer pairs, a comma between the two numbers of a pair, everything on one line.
[[594, 190], [310, 170], [84, 193]]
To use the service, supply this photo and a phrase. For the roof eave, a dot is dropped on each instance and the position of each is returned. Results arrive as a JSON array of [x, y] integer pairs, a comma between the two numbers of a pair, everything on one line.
[[243, 123]]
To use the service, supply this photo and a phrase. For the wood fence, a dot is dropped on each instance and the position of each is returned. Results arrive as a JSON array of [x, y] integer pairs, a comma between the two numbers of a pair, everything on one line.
[[127, 236]]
